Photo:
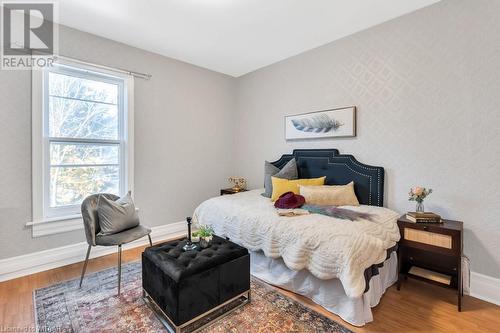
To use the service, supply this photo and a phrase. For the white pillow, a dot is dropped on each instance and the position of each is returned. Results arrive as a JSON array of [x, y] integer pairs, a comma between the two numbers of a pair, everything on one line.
[[330, 195]]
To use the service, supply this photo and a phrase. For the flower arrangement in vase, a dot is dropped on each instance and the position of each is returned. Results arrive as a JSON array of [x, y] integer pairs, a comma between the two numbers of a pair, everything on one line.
[[418, 194], [204, 235]]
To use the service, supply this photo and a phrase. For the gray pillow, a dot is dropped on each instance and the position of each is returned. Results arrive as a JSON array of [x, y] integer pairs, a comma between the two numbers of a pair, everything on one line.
[[116, 216], [289, 171]]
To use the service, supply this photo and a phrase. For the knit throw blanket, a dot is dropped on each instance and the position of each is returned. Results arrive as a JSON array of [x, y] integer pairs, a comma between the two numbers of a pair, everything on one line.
[[327, 246]]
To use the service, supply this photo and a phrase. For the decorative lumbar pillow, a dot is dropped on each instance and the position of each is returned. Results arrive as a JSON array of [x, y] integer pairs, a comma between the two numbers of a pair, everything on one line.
[[289, 171], [116, 216], [331, 195], [281, 186]]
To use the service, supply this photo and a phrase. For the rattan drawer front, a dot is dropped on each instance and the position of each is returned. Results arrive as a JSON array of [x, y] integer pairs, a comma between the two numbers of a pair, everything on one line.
[[429, 238]]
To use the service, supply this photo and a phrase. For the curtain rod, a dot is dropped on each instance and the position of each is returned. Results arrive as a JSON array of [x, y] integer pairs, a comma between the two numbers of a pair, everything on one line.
[[114, 69]]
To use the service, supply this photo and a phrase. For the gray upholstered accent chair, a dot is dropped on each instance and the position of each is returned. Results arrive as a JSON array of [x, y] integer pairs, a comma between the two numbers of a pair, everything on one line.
[[91, 224]]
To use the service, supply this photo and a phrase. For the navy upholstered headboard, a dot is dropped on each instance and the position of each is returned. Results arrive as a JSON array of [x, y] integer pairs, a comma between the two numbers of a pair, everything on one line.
[[339, 169]]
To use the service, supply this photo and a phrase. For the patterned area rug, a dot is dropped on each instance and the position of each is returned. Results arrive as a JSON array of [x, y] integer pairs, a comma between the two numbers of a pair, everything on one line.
[[64, 307]]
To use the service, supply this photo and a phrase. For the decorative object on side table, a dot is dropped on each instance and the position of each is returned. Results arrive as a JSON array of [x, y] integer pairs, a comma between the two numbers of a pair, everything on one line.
[[239, 183], [432, 252], [189, 246], [204, 235], [418, 194], [339, 122]]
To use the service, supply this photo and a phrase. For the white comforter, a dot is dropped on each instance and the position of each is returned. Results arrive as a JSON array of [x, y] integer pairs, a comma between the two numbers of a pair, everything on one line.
[[328, 247]]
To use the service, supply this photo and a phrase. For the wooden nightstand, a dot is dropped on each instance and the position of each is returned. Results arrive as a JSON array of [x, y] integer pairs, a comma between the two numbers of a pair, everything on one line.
[[429, 248], [230, 191]]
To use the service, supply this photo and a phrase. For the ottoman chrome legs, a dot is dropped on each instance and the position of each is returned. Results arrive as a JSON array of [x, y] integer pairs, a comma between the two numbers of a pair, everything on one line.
[[241, 299]]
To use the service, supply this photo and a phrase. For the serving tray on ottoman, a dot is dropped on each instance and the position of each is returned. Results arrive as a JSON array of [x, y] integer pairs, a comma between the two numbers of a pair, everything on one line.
[[189, 289]]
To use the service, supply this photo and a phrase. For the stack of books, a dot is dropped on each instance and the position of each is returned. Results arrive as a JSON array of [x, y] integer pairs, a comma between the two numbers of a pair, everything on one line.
[[426, 217]]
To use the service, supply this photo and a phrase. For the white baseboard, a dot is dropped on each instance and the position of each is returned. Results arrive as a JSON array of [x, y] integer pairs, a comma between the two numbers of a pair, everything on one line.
[[482, 286], [485, 287], [15, 267]]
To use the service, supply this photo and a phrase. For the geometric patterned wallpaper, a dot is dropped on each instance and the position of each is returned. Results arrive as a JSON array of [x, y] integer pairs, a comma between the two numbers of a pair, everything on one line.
[[427, 88]]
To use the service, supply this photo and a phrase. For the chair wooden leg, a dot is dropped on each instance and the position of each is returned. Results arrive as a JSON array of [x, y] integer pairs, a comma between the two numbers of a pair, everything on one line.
[[85, 264], [150, 242], [119, 267]]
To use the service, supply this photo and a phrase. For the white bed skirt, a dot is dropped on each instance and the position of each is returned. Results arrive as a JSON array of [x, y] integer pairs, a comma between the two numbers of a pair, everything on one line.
[[328, 293]]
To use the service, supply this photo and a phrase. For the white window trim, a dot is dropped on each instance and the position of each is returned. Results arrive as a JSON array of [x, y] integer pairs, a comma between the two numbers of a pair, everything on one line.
[[44, 225]]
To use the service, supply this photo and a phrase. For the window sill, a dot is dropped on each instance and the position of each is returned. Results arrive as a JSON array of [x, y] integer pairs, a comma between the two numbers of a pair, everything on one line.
[[57, 225]]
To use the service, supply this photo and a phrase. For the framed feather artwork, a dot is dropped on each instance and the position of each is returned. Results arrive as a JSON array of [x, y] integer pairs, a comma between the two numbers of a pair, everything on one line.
[[333, 123]]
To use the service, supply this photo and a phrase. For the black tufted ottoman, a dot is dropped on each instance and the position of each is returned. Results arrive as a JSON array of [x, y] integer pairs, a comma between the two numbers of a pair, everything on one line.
[[188, 290]]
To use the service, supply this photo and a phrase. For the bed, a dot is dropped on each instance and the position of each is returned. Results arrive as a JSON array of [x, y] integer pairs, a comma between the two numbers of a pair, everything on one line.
[[344, 266]]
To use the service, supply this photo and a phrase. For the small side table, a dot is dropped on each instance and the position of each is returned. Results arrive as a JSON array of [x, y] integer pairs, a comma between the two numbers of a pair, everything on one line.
[[432, 252], [230, 191]]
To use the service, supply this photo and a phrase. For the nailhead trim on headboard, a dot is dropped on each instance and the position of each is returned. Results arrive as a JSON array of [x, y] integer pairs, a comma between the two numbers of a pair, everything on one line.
[[373, 174]]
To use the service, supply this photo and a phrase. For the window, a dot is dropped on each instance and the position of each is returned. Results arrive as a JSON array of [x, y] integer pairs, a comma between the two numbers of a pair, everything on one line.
[[84, 135], [81, 136]]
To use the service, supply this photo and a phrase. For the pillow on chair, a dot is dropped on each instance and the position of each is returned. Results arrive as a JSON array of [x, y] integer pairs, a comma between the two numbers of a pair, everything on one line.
[[116, 216]]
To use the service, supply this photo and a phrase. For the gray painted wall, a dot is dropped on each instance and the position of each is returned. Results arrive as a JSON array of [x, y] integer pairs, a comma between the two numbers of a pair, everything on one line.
[[426, 86], [183, 125]]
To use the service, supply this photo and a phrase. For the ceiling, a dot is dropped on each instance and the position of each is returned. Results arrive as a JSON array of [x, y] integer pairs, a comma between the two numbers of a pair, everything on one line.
[[230, 36]]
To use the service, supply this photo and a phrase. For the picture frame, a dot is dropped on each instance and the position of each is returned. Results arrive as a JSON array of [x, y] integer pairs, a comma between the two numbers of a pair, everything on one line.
[[330, 123]]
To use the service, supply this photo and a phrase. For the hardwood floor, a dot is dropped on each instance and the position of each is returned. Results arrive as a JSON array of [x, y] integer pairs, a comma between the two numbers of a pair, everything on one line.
[[418, 307]]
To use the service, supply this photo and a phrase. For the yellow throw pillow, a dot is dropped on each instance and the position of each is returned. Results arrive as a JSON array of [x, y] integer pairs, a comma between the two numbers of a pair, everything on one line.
[[281, 185], [335, 195]]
